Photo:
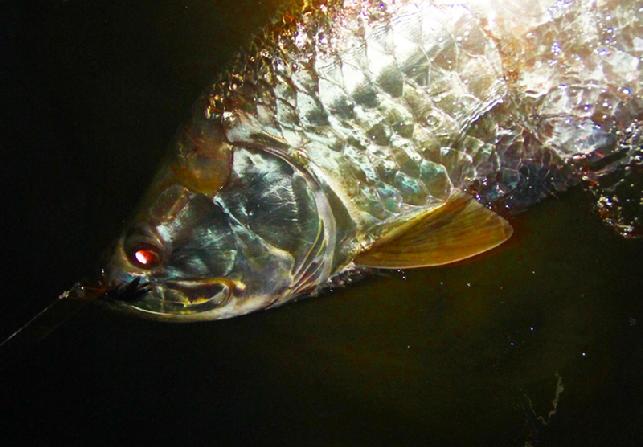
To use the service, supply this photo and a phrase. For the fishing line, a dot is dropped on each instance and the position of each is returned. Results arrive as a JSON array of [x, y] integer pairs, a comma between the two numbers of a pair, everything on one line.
[[65, 306]]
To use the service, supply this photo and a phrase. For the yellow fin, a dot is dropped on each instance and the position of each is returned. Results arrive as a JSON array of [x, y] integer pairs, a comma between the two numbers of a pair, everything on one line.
[[456, 230]]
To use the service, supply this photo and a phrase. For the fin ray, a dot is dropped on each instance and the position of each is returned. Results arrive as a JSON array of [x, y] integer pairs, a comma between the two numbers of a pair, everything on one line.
[[456, 230]]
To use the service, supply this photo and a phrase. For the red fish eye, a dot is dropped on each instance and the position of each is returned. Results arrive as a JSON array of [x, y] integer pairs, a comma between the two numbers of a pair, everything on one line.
[[145, 257]]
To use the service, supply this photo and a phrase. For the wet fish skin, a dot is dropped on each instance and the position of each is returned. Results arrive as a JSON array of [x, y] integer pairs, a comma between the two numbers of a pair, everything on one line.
[[472, 100], [356, 115]]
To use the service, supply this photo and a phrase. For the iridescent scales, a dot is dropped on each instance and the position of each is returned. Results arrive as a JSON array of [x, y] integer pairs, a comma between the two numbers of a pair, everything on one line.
[[374, 103], [354, 131], [395, 103]]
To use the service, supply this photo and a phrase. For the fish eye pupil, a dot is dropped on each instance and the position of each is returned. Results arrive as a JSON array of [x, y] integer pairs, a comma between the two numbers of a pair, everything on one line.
[[145, 257]]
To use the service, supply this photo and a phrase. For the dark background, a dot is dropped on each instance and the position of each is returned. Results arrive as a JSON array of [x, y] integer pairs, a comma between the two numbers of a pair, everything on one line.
[[93, 92]]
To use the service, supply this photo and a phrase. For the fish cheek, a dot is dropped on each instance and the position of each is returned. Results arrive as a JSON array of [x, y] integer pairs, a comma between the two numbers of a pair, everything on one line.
[[265, 269], [203, 242], [267, 196], [201, 263]]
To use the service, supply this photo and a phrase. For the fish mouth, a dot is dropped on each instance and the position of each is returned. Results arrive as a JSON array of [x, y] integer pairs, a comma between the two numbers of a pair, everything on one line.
[[168, 298], [198, 292], [126, 291]]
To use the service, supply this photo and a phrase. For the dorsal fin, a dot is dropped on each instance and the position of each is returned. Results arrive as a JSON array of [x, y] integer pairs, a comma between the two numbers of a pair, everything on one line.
[[456, 230]]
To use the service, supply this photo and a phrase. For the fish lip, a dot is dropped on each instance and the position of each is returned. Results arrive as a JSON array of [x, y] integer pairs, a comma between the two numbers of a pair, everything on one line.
[[189, 287]]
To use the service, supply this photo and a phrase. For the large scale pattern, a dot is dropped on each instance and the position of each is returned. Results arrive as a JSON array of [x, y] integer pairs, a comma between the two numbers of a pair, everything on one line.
[[392, 104]]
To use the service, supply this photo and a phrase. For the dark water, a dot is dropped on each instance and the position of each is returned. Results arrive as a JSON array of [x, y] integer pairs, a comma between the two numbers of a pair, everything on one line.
[[469, 354]]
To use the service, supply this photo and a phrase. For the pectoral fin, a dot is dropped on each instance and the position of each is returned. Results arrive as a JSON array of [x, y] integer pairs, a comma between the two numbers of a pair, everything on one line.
[[458, 229]]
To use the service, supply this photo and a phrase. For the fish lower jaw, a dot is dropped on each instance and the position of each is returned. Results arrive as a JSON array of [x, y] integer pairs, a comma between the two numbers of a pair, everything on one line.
[[235, 308]]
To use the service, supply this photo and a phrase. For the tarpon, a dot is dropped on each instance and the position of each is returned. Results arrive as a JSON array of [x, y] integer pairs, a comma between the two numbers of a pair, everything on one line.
[[385, 134]]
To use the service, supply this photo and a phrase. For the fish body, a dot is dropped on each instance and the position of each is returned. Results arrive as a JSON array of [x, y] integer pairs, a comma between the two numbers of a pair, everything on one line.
[[386, 134]]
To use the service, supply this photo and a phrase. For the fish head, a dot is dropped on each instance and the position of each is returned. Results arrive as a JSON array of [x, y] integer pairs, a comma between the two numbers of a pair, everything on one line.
[[262, 238]]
